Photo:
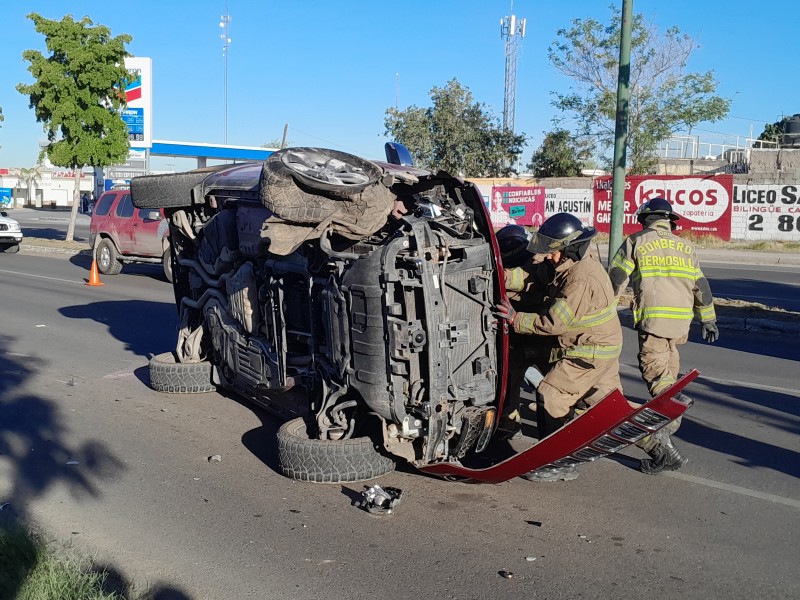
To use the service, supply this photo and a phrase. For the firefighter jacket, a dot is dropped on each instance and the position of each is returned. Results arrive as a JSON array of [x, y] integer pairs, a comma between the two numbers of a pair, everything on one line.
[[669, 287], [526, 288], [582, 314]]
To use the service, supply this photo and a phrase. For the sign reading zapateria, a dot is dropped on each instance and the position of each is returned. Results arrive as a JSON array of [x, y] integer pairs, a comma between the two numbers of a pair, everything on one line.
[[703, 202]]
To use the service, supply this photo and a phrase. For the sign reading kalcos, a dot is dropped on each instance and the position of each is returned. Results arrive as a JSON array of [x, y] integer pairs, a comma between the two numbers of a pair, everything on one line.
[[703, 202], [139, 96]]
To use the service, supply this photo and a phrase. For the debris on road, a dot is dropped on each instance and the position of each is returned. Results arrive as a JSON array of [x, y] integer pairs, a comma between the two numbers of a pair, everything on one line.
[[380, 500], [73, 462], [535, 523], [530, 558], [214, 458], [506, 574]]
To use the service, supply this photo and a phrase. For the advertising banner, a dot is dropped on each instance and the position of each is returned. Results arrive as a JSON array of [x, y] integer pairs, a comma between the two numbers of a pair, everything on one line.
[[704, 202], [767, 211], [516, 206]]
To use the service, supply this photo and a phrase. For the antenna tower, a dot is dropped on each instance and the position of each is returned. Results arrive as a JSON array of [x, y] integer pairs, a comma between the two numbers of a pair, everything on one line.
[[512, 30]]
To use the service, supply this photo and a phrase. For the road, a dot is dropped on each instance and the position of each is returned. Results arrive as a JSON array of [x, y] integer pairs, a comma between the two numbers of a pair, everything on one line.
[[143, 496]]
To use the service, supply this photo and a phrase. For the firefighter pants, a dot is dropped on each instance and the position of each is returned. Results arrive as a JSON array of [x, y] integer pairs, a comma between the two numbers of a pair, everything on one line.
[[571, 380], [660, 365], [659, 361]]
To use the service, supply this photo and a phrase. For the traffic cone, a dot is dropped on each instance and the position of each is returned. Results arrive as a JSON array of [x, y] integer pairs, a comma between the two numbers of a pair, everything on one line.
[[94, 277]]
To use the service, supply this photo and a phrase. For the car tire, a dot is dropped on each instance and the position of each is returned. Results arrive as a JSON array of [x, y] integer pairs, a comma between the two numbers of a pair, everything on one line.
[[165, 191], [168, 375], [107, 257], [166, 262], [13, 249], [328, 461], [298, 196]]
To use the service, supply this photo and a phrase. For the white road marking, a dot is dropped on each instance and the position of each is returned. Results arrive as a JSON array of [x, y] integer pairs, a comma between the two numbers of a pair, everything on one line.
[[41, 276]]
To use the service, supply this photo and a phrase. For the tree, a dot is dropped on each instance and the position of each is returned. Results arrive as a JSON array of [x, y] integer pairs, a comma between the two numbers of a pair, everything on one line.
[[663, 99], [455, 135], [560, 155], [773, 132], [79, 96], [31, 177]]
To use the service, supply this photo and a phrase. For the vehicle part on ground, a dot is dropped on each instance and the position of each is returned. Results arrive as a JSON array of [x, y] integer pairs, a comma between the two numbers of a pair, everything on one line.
[[328, 461], [380, 500], [607, 427], [107, 257], [168, 375]]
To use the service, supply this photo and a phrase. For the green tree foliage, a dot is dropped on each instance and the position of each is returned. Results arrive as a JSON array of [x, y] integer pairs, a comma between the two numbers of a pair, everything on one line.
[[663, 98], [78, 95], [559, 156], [456, 135], [773, 132]]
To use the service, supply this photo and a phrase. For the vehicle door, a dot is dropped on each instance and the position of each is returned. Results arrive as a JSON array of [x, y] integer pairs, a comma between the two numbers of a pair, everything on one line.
[[102, 216], [124, 224], [149, 227]]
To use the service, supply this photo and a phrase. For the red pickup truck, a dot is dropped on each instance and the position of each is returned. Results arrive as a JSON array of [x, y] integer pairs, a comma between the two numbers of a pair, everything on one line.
[[121, 233]]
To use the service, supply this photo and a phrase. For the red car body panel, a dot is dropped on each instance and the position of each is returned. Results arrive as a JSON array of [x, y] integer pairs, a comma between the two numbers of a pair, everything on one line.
[[580, 436]]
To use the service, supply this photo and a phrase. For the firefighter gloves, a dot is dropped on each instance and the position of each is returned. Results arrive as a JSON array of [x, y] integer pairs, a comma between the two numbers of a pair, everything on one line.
[[710, 332], [504, 310]]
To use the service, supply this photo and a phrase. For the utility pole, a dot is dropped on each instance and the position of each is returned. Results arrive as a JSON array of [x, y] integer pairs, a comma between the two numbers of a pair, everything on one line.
[[225, 21], [621, 131]]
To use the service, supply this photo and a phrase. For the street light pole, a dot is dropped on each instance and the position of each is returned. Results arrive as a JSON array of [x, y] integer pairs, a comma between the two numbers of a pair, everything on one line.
[[225, 21]]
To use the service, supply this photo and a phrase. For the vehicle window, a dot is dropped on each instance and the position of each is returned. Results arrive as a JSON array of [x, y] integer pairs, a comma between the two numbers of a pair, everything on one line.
[[104, 204], [125, 207]]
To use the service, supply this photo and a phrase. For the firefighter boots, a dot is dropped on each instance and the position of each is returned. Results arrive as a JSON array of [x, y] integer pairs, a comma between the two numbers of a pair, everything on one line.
[[664, 456]]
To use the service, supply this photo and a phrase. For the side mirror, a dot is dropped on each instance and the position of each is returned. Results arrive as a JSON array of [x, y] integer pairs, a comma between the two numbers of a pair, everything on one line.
[[152, 215], [397, 154]]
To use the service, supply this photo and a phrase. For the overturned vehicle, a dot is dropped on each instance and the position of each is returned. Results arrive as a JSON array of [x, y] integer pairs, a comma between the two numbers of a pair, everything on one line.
[[355, 300]]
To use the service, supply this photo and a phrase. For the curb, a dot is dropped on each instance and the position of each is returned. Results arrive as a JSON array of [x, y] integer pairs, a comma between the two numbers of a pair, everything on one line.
[[66, 252]]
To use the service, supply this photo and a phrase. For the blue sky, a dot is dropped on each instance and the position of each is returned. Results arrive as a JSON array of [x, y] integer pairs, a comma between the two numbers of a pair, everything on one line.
[[331, 69]]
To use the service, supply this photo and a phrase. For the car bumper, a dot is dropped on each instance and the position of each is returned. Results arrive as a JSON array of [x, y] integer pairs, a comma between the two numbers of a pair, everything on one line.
[[10, 238], [607, 427]]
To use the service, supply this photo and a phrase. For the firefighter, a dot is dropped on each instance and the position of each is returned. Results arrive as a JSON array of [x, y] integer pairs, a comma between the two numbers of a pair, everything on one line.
[[669, 288], [582, 320], [526, 284]]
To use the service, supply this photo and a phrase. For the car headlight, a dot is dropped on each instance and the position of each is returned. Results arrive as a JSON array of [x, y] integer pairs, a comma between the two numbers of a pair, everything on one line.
[[13, 227]]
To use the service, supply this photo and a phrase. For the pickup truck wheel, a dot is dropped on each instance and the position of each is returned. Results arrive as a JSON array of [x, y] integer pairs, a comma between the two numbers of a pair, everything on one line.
[[167, 375], [10, 249], [107, 258], [327, 461], [165, 191], [166, 261], [296, 186]]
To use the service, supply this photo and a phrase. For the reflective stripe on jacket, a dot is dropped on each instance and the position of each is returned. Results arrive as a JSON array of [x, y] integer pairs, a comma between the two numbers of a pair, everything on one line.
[[667, 281], [583, 315]]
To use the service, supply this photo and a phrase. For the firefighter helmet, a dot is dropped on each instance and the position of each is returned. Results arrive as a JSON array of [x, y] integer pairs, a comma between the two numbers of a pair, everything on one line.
[[513, 242], [559, 232], [656, 206]]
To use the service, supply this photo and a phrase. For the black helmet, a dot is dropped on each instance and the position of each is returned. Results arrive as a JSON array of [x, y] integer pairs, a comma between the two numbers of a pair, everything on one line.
[[656, 207], [513, 241], [559, 232]]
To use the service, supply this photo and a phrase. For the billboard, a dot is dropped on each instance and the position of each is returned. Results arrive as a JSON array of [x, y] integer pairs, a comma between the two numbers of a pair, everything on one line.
[[703, 201], [510, 205], [138, 115]]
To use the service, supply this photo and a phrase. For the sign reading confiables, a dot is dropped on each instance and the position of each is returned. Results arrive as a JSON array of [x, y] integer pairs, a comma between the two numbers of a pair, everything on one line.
[[516, 206], [138, 116], [703, 202]]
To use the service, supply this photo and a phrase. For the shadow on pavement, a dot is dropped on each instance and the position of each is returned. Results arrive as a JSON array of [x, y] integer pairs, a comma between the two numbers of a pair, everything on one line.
[[144, 327]]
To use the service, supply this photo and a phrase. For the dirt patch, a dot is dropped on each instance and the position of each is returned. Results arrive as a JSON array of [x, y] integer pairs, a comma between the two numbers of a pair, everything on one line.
[[45, 243]]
